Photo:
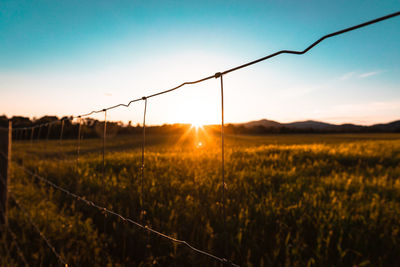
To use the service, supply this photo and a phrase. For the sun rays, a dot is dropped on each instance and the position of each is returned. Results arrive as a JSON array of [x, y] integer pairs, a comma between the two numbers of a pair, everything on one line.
[[196, 135]]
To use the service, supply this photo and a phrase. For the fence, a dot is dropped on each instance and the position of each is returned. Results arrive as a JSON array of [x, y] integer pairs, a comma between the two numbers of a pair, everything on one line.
[[5, 159]]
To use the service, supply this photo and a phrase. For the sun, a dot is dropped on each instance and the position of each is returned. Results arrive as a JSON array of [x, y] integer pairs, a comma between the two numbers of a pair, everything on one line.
[[197, 122], [197, 133], [197, 125]]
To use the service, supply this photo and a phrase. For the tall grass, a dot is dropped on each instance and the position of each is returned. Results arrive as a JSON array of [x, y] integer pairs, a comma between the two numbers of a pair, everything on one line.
[[291, 200]]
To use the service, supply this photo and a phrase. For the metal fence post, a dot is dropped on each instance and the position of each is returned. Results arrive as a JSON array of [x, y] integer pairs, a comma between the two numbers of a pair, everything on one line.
[[5, 162]]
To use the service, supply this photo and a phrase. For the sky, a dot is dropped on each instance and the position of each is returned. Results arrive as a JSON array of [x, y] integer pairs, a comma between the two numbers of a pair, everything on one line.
[[71, 57]]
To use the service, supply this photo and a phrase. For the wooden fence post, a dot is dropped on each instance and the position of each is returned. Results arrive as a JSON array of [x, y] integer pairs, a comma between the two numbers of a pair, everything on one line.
[[5, 162]]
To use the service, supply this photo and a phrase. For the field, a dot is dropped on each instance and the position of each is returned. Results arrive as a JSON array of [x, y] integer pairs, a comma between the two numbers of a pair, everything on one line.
[[291, 200]]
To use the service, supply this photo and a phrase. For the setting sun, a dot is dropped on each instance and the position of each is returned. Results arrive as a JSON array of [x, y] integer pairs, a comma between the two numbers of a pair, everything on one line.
[[197, 125], [198, 119], [251, 133]]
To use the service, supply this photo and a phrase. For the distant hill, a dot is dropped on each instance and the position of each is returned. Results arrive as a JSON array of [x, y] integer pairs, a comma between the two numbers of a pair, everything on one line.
[[317, 126], [309, 125], [387, 126], [264, 123]]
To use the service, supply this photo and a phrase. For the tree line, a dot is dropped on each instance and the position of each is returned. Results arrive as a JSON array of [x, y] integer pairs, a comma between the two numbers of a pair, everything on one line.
[[52, 127]]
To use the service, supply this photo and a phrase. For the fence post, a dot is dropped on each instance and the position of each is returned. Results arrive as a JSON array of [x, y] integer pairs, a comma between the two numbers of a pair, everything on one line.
[[5, 162]]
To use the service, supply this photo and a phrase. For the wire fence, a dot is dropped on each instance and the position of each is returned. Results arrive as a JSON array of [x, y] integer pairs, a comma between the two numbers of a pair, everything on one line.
[[23, 134], [108, 211], [18, 247], [30, 220]]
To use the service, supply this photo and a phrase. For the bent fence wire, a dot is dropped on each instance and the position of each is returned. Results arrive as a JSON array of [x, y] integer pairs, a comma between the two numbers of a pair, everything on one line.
[[123, 218], [219, 74], [144, 98]]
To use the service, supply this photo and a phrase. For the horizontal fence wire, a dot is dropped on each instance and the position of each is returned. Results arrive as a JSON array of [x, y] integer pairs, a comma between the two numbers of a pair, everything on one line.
[[29, 219], [144, 98], [218, 74], [123, 218]]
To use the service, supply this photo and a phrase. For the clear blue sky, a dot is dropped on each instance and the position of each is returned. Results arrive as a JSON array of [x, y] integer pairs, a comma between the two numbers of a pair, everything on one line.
[[70, 57]]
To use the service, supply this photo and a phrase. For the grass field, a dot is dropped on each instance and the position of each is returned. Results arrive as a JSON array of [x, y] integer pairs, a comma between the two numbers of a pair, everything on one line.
[[291, 200]]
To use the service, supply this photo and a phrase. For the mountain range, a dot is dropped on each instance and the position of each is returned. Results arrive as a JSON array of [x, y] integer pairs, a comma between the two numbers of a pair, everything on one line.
[[323, 126]]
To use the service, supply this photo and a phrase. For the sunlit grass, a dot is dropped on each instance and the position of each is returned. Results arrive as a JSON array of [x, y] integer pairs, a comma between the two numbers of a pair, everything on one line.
[[325, 200]]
